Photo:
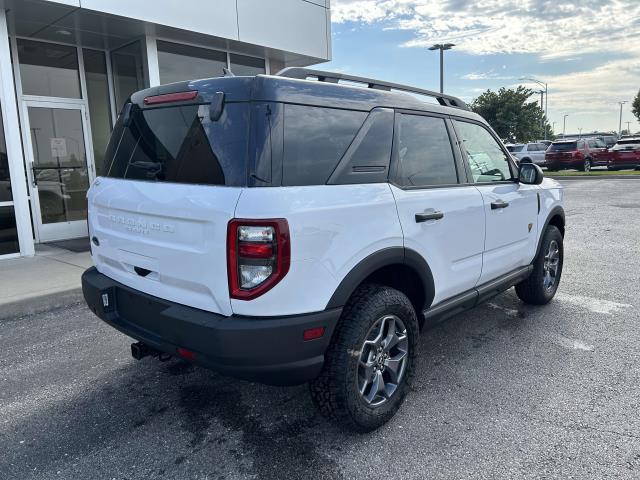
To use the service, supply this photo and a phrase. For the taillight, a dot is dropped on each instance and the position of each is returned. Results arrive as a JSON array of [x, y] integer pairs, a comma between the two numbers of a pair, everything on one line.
[[171, 97], [258, 256]]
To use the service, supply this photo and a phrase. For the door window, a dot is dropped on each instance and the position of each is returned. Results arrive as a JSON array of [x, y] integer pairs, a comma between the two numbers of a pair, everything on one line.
[[59, 163], [487, 159], [425, 155]]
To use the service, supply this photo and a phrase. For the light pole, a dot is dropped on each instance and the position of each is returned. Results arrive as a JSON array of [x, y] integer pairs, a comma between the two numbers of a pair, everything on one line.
[[553, 127], [580, 132], [564, 125], [546, 95], [628, 127], [442, 47], [620, 124]]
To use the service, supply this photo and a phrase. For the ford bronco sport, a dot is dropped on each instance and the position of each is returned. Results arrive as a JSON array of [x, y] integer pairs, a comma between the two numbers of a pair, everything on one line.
[[287, 230]]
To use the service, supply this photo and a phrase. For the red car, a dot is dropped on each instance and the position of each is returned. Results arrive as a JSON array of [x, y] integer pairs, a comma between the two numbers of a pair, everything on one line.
[[581, 154], [625, 154]]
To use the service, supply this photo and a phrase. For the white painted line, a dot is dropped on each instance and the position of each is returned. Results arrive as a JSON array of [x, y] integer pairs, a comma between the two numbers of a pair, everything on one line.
[[574, 344], [596, 305]]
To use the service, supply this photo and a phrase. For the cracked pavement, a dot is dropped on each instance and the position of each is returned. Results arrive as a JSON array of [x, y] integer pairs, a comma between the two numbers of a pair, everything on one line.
[[503, 391]]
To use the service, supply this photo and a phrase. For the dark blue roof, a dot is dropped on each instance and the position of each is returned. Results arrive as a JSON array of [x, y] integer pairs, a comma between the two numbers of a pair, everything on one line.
[[269, 88]]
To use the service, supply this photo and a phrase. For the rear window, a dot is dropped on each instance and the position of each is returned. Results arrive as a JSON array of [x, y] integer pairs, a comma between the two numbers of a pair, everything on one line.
[[515, 148], [563, 147], [181, 144], [315, 139]]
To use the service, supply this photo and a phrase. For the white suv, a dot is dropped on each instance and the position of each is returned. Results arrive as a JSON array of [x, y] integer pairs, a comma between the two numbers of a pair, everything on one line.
[[532, 152], [285, 230]]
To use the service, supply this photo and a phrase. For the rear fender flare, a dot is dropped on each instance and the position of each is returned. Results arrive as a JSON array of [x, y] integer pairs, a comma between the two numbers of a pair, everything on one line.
[[375, 261]]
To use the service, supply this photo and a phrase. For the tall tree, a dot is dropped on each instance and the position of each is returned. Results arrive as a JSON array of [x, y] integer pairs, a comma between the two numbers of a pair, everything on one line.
[[512, 115], [635, 106]]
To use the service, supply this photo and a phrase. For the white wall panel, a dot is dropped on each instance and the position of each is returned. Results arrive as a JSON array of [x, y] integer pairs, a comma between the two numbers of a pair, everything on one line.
[[293, 25], [212, 17]]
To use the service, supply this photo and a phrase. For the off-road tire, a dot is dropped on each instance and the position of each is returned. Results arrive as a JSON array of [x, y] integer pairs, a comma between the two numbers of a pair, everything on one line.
[[335, 391], [532, 290]]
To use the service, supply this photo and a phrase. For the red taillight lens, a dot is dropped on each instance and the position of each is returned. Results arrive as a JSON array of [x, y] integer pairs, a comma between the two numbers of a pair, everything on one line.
[[258, 256], [171, 97]]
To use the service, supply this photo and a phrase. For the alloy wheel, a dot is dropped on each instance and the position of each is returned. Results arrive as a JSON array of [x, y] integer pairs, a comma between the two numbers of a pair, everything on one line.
[[551, 265], [383, 360]]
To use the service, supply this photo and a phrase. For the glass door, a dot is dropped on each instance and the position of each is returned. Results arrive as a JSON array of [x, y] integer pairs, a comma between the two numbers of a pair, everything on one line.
[[60, 168]]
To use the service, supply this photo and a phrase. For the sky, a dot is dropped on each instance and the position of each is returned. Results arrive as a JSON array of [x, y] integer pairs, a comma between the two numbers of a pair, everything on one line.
[[587, 51]]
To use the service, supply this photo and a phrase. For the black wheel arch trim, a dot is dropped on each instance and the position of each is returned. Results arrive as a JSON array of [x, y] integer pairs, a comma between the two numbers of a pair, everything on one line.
[[380, 259], [555, 211]]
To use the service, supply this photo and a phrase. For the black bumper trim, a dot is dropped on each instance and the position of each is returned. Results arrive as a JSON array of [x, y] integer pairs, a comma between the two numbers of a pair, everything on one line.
[[269, 350]]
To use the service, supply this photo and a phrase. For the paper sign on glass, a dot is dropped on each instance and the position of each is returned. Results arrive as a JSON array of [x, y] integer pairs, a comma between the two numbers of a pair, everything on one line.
[[58, 147]]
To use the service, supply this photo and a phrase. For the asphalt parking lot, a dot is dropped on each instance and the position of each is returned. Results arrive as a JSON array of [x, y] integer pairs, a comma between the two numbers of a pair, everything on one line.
[[503, 391]]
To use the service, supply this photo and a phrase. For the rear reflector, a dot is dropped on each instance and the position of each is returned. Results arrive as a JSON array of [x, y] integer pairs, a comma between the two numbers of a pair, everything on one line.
[[171, 97], [313, 333], [186, 354]]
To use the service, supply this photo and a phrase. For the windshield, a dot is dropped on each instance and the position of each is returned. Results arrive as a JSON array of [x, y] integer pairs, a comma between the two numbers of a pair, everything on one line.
[[627, 145], [563, 147], [515, 148], [181, 144]]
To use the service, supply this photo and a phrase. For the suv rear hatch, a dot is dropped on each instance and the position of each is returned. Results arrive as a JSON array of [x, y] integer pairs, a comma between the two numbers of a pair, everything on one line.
[[172, 178], [561, 151]]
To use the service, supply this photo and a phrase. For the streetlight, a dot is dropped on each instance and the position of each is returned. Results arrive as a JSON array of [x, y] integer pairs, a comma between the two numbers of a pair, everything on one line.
[[580, 132], [442, 47], [553, 127], [620, 124], [628, 127], [546, 94], [564, 125]]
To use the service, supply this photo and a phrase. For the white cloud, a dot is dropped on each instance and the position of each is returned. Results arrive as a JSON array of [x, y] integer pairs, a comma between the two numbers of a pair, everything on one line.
[[549, 30]]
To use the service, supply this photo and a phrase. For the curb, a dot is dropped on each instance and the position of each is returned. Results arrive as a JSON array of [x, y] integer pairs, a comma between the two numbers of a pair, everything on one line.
[[40, 304], [593, 177]]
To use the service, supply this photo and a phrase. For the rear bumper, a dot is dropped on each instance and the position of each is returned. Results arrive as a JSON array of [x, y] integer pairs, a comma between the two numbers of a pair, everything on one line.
[[269, 350]]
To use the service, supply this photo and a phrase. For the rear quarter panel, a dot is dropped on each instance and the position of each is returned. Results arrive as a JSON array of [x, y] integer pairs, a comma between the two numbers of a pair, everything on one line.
[[332, 227]]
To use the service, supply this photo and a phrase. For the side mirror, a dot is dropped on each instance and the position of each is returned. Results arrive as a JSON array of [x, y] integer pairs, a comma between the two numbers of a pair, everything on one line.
[[530, 174]]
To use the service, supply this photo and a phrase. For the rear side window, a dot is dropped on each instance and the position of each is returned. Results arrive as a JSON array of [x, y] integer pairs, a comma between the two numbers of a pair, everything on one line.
[[315, 139], [515, 148], [180, 144], [424, 153]]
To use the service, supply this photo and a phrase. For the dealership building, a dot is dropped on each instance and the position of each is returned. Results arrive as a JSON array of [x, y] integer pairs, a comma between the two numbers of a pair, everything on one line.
[[67, 67]]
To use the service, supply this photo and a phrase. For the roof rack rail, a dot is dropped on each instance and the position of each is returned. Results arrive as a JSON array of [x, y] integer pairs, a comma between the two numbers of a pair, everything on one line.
[[330, 77]]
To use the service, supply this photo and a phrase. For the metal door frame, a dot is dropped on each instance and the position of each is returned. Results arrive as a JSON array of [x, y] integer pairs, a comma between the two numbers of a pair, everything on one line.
[[60, 230]]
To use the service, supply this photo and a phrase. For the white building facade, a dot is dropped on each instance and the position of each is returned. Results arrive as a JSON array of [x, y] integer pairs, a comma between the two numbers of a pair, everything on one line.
[[67, 66]]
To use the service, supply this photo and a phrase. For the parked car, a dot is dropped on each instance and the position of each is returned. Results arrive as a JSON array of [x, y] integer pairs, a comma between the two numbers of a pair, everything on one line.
[[532, 152], [581, 154], [625, 154], [284, 230]]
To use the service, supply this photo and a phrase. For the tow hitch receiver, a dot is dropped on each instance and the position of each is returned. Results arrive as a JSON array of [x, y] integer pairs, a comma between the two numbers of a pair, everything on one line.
[[140, 350]]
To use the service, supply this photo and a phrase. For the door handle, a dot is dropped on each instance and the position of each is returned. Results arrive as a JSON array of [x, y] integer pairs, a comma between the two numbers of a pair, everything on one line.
[[425, 217], [499, 204]]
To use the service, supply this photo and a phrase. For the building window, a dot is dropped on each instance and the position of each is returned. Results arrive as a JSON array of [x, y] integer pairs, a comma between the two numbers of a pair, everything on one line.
[[48, 69], [243, 65], [128, 72], [95, 67], [182, 62]]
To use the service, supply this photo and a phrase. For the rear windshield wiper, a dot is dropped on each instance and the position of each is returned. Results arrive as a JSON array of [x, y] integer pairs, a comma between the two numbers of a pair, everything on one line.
[[152, 169]]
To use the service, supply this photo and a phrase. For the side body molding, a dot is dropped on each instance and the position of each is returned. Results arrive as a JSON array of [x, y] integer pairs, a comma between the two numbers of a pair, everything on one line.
[[384, 258]]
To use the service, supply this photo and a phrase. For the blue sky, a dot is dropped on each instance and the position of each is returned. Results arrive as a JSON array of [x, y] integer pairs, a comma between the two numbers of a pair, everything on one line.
[[588, 51]]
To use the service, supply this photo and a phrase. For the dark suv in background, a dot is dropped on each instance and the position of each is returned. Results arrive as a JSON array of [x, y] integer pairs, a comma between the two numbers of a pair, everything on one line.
[[581, 154]]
